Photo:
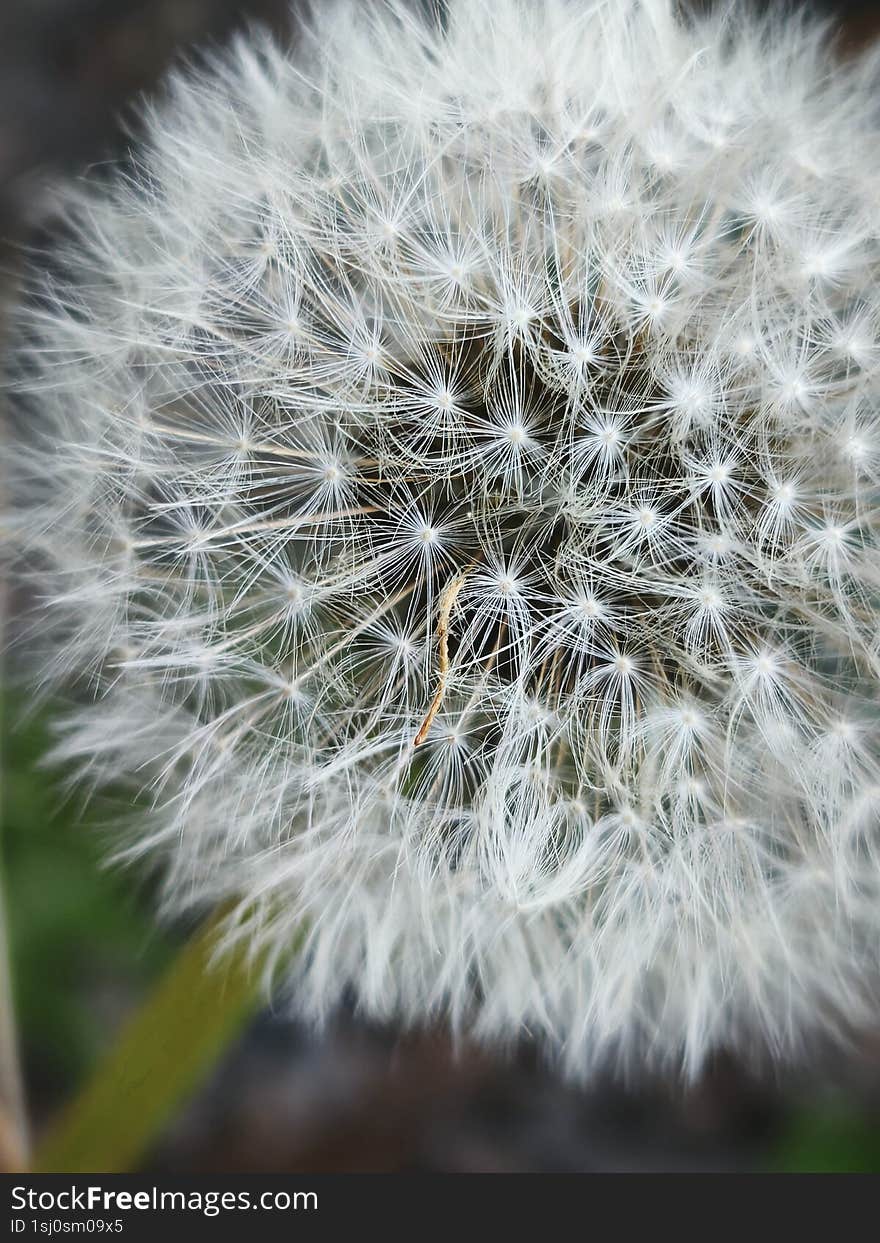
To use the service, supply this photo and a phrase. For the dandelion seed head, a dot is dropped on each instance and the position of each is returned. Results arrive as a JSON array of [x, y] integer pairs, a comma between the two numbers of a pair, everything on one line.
[[446, 467]]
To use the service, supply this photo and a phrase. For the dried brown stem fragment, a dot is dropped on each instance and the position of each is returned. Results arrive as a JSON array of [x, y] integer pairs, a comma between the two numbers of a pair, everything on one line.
[[447, 603]]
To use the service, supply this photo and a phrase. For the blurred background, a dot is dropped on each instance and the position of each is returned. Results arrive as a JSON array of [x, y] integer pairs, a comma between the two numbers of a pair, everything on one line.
[[84, 946]]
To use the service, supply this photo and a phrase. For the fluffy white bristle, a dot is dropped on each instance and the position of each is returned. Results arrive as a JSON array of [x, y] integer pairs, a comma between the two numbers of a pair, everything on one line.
[[448, 459]]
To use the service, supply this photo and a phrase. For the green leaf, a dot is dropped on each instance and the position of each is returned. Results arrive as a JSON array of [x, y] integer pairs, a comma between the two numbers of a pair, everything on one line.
[[828, 1141], [163, 1054], [78, 931]]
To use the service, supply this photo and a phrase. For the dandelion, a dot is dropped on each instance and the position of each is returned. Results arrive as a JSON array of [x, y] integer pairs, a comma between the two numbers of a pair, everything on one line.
[[445, 463]]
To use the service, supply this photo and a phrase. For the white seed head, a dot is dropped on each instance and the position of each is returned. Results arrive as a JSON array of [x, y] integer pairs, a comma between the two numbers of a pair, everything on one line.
[[445, 462]]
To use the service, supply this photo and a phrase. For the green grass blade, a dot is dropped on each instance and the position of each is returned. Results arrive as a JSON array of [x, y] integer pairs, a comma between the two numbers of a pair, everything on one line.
[[162, 1055]]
